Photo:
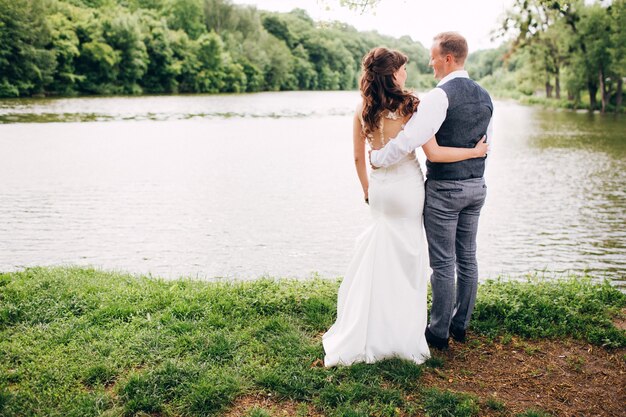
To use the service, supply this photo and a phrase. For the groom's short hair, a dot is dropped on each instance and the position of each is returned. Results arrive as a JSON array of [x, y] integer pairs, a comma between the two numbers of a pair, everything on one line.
[[454, 44]]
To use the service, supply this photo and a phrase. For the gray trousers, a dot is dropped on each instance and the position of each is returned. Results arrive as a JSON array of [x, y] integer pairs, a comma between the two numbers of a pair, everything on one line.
[[451, 214]]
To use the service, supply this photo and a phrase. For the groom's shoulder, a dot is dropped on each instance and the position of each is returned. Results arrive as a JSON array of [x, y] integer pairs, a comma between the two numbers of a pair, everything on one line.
[[459, 81], [462, 85], [478, 86]]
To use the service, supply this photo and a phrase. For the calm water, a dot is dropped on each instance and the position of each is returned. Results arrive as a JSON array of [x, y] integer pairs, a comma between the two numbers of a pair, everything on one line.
[[263, 184]]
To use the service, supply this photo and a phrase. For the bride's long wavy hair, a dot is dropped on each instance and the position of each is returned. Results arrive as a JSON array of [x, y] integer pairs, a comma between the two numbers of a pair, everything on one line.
[[378, 87]]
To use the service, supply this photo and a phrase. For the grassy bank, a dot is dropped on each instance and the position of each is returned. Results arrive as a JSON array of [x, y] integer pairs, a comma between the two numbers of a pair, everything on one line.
[[82, 342]]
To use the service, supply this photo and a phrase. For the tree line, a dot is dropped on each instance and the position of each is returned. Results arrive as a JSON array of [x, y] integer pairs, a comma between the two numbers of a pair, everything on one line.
[[572, 50], [68, 47]]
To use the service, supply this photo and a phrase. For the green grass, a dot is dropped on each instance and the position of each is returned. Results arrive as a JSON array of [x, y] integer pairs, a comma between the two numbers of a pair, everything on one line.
[[439, 403], [495, 405], [258, 412], [561, 308], [83, 342]]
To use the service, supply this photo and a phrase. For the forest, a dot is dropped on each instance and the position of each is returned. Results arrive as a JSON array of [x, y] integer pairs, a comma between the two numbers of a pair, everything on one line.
[[67, 47], [569, 51]]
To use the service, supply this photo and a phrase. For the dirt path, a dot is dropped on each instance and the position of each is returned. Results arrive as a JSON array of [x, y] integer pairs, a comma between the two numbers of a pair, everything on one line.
[[564, 378]]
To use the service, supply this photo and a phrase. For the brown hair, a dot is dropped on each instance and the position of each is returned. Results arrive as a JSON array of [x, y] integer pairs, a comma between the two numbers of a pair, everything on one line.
[[454, 44], [378, 87]]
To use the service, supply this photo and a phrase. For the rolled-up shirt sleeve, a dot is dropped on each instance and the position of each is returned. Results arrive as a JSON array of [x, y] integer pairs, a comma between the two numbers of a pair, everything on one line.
[[422, 126]]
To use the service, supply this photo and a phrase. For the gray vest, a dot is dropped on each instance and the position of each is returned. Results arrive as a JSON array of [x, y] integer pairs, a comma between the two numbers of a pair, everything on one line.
[[469, 113]]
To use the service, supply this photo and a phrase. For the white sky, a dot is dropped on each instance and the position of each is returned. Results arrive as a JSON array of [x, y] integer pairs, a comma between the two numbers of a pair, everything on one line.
[[419, 19]]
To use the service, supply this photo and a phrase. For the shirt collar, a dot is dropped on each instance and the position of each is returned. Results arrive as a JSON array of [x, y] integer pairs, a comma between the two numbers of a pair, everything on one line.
[[452, 75]]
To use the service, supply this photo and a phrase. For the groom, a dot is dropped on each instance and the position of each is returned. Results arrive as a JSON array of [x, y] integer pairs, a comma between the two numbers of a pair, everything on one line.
[[458, 112]]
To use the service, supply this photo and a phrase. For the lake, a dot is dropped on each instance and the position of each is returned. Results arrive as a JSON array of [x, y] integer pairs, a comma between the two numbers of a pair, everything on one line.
[[243, 186]]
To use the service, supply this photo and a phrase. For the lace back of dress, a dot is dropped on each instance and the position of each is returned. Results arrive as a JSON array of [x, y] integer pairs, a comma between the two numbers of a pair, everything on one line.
[[392, 115]]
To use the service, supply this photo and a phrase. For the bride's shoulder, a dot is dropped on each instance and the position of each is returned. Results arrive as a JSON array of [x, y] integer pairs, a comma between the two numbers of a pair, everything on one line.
[[358, 112]]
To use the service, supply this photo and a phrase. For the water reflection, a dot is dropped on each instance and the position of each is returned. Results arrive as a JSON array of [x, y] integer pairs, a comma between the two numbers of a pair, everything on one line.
[[560, 185], [246, 185], [582, 130]]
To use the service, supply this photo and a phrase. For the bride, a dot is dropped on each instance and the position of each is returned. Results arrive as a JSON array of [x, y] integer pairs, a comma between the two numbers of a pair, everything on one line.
[[381, 306]]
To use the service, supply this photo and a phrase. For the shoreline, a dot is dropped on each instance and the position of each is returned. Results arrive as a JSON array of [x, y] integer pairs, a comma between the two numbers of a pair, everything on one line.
[[532, 100]]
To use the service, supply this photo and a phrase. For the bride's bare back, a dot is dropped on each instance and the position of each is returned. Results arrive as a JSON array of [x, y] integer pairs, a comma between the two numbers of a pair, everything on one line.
[[389, 126]]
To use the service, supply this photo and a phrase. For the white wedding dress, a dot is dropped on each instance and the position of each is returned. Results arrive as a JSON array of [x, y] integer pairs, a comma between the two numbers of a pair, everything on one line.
[[381, 306]]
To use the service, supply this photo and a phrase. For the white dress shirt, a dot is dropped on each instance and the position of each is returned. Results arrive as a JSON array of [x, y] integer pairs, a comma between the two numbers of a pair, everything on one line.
[[422, 126]]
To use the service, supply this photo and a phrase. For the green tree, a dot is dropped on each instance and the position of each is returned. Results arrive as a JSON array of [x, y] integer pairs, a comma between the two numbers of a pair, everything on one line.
[[26, 66], [485, 62], [131, 46], [221, 15], [542, 29], [576, 41], [162, 69], [217, 72], [618, 48], [98, 65], [276, 26], [187, 15], [64, 44], [235, 78], [594, 27], [185, 61], [210, 77], [304, 70], [122, 32], [279, 64]]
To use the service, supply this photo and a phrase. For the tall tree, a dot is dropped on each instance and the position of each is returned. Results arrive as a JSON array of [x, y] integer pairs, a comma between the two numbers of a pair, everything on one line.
[[539, 26], [187, 15], [64, 44], [594, 28], [26, 66], [122, 31], [162, 70], [618, 48]]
